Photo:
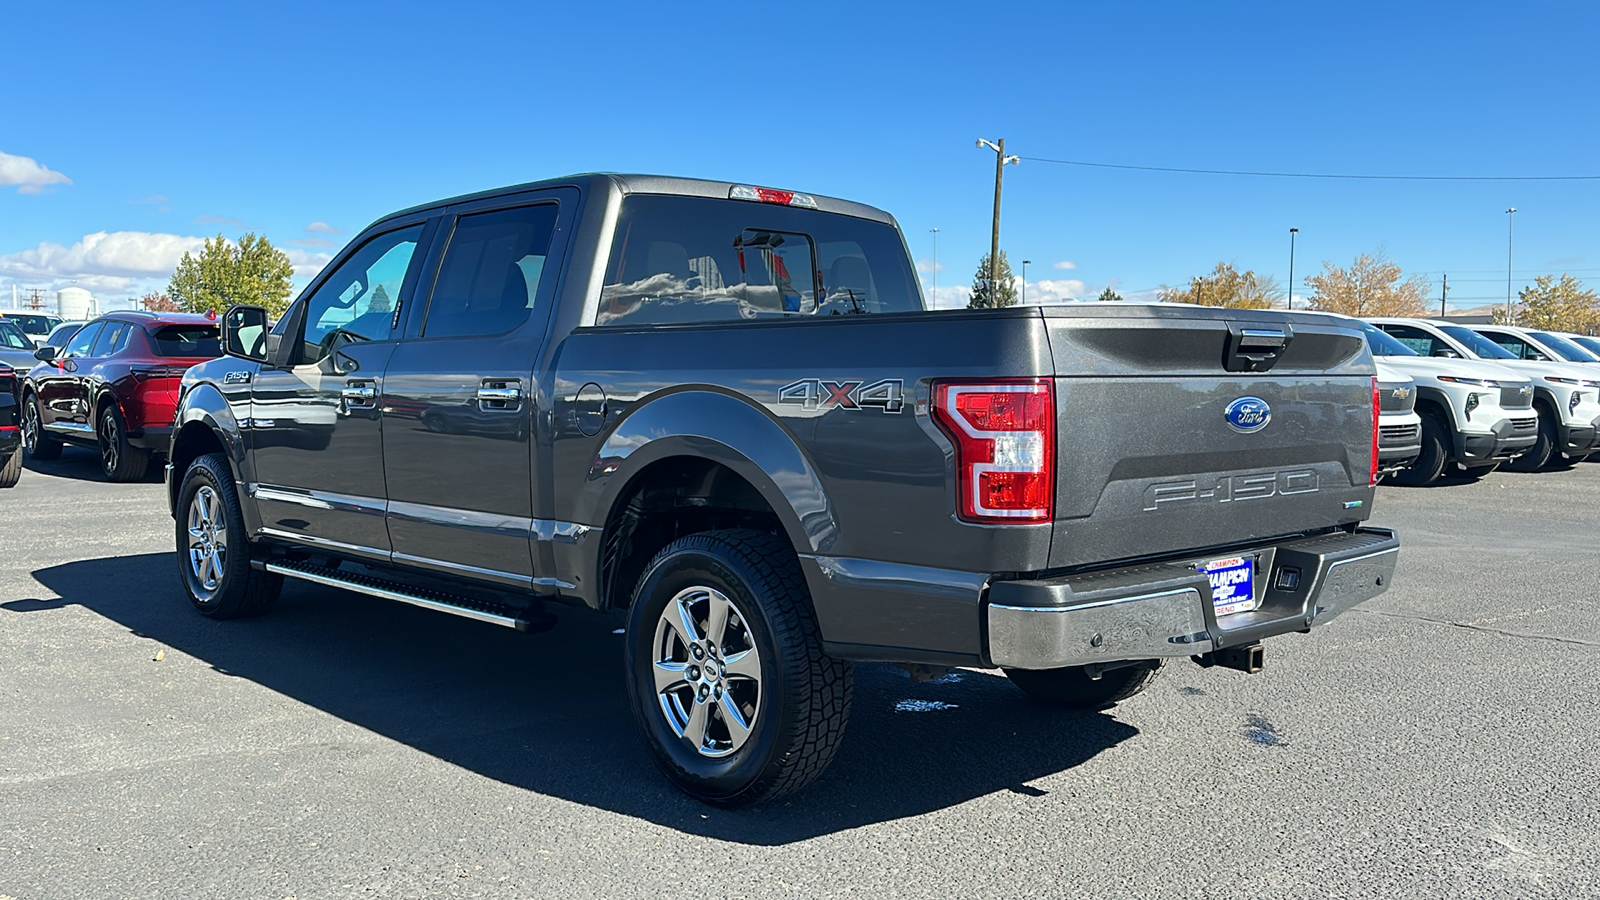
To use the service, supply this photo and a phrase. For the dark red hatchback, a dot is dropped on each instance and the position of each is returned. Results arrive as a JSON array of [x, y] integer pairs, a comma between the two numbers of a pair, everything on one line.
[[114, 386]]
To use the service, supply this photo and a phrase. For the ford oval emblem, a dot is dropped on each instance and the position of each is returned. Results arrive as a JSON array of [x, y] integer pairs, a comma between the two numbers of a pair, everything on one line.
[[1248, 414]]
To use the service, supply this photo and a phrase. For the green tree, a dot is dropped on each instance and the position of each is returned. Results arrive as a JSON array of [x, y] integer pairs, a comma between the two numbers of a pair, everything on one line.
[[1226, 286], [224, 274], [1556, 305], [1005, 289], [380, 301], [1370, 287], [1109, 296]]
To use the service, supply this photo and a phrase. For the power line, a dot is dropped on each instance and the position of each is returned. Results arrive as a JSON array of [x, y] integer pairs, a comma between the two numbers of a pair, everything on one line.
[[1100, 165]]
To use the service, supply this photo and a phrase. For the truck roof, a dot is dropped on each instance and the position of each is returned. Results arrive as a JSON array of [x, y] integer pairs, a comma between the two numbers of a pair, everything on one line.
[[647, 184]]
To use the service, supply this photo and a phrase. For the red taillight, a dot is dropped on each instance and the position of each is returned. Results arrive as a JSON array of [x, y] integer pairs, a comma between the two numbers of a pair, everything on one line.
[[1004, 433], [1375, 414]]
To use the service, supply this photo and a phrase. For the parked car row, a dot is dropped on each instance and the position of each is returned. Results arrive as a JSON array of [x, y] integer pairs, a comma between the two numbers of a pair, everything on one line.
[[112, 384], [1482, 396]]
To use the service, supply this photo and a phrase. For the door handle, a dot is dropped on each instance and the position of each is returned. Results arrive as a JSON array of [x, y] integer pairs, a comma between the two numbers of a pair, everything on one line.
[[358, 395], [500, 394]]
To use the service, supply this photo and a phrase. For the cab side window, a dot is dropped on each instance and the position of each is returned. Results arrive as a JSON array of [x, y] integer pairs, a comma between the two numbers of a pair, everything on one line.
[[358, 301], [490, 276], [1419, 340], [82, 341]]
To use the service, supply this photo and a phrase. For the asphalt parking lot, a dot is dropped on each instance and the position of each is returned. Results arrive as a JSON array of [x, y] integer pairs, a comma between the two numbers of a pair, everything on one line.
[[1439, 741]]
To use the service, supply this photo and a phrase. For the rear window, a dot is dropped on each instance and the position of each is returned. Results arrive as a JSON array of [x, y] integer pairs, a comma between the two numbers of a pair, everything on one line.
[[187, 341], [692, 259]]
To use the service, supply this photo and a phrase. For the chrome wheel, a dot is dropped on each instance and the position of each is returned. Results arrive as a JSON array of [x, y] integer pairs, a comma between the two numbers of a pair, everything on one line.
[[110, 441], [208, 541], [707, 671]]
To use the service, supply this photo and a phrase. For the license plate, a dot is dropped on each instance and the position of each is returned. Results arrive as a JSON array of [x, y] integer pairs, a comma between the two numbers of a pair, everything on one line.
[[1233, 584]]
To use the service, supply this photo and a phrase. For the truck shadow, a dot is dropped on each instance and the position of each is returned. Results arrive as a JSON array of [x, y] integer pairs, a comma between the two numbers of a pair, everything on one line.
[[547, 713]]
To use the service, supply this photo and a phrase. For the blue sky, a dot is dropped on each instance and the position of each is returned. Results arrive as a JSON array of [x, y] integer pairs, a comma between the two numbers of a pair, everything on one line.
[[304, 122]]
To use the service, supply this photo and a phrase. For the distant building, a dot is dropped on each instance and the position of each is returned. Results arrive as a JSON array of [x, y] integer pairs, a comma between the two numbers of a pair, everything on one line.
[[75, 304]]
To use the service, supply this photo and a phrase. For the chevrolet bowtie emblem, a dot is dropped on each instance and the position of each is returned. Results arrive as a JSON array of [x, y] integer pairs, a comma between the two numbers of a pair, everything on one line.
[[1402, 393]]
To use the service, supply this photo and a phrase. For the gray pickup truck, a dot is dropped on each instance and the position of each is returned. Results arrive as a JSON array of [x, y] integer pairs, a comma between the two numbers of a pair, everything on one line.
[[723, 411]]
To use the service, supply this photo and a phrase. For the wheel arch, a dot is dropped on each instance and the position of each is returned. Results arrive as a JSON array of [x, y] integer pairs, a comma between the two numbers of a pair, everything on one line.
[[205, 424]]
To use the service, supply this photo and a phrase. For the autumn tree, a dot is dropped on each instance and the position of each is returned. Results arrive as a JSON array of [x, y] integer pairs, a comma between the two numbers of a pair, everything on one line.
[[1109, 296], [1226, 286], [1005, 288], [1372, 286], [224, 274], [157, 302], [1556, 305]]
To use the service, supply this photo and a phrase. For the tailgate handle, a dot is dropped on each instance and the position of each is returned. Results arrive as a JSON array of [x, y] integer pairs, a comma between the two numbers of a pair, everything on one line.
[[1256, 349]]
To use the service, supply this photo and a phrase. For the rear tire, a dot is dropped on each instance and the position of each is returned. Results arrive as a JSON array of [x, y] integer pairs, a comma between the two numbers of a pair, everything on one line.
[[1072, 688], [1430, 462], [213, 549], [39, 444], [727, 679], [11, 472], [119, 460], [1539, 455]]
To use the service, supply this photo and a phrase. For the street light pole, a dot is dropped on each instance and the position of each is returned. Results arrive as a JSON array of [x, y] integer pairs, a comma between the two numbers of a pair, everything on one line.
[[1025, 281], [1511, 218], [1292, 233], [1000, 161], [935, 267]]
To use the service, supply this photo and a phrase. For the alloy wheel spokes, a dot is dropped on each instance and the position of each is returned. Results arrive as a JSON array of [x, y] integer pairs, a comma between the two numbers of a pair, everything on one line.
[[207, 539], [706, 671]]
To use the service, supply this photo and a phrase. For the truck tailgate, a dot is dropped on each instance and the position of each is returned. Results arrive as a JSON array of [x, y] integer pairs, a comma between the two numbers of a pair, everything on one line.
[[1149, 462]]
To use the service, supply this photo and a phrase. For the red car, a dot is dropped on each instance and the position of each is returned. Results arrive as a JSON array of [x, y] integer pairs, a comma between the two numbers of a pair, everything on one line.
[[114, 386]]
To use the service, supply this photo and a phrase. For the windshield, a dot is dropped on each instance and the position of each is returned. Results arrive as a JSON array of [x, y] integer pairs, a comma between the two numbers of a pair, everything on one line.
[[1564, 348], [34, 323], [1588, 343], [1481, 346], [1384, 344], [12, 337]]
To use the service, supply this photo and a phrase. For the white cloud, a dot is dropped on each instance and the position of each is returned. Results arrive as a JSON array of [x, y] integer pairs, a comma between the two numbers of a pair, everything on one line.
[[1066, 265], [27, 176], [307, 265], [950, 298], [1052, 293], [322, 228], [133, 254], [927, 265]]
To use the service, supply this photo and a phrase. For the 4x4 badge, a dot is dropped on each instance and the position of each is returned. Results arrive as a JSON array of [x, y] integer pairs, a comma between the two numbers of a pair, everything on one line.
[[888, 395]]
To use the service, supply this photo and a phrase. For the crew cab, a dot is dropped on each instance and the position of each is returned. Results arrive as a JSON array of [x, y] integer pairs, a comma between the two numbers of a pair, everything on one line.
[[1566, 395], [723, 412], [114, 387]]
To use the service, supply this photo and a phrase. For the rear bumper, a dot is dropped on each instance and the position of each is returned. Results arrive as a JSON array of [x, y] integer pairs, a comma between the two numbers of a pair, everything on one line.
[[1155, 611], [157, 438]]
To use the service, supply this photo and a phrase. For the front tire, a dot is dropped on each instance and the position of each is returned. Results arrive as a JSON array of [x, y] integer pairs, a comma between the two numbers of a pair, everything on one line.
[[39, 444], [727, 679], [119, 460], [213, 550], [1543, 449], [1072, 688], [1430, 461]]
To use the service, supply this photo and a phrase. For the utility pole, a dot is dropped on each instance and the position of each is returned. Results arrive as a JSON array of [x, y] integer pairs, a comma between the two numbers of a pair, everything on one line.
[[1000, 161], [1445, 292], [935, 267], [35, 301], [1511, 219], [1025, 281], [1292, 233]]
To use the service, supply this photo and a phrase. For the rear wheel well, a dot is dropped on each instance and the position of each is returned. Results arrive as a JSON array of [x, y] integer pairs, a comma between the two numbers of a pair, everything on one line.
[[671, 498]]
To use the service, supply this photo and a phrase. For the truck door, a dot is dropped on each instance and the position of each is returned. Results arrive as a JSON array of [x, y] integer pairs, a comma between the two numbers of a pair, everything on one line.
[[460, 398], [314, 426]]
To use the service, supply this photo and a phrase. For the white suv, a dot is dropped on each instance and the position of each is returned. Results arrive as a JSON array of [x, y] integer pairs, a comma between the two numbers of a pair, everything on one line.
[[1475, 415], [1567, 395]]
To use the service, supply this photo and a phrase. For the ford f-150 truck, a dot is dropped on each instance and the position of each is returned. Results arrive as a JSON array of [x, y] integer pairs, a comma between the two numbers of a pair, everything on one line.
[[723, 411]]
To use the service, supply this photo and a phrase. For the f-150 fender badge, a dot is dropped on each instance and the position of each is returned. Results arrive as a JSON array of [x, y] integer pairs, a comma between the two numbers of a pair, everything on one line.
[[236, 378], [888, 395], [1248, 414]]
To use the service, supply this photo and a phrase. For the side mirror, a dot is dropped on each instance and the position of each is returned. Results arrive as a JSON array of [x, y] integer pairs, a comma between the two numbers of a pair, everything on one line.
[[244, 332], [45, 354]]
